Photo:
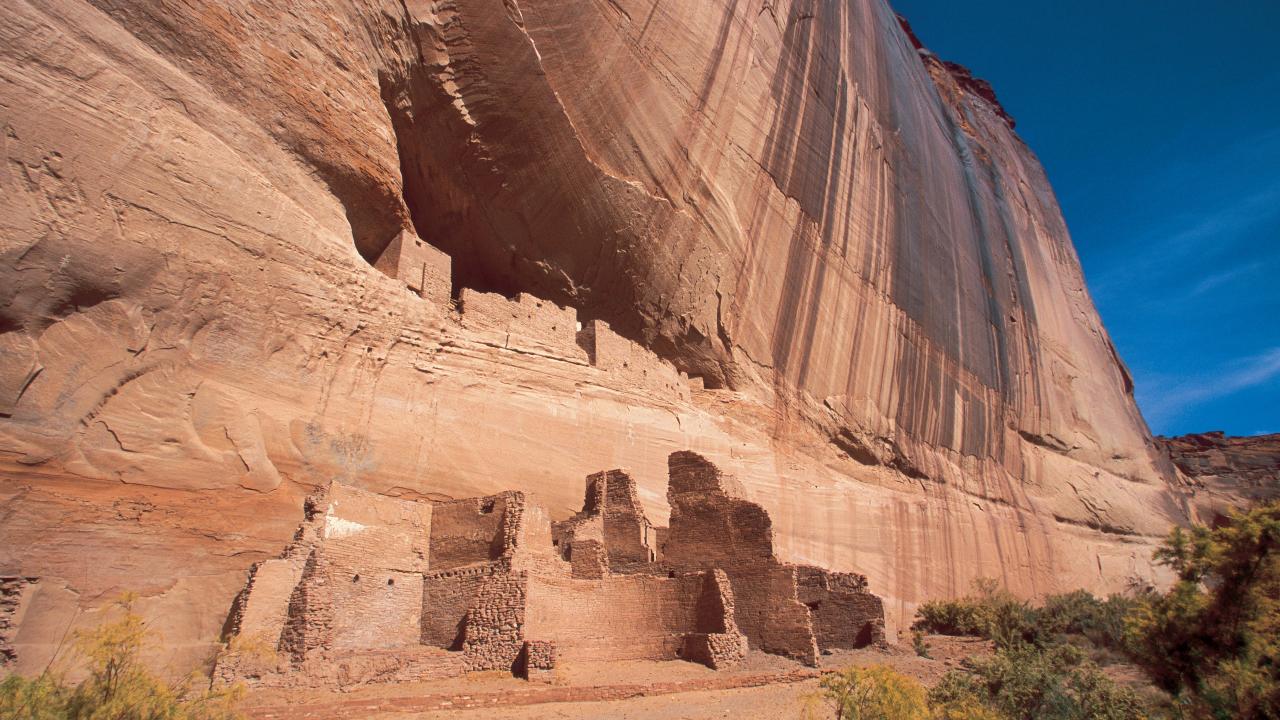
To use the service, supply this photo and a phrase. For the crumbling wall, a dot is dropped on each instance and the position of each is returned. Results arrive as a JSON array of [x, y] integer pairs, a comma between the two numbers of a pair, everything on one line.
[[447, 595], [262, 607], [309, 614], [612, 524], [13, 593], [537, 660], [493, 634], [531, 324], [467, 532], [378, 589], [588, 559], [377, 609], [616, 602], [364, 580], [525, 324], [621, 617], [718, 642], [713, 527], [844, 613]]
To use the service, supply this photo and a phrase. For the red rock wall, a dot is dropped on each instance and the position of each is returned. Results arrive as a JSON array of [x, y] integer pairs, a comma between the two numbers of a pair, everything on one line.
[[847, 245]]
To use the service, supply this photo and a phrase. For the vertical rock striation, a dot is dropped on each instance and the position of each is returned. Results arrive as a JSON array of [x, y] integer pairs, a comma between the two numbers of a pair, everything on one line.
[[796, 243]]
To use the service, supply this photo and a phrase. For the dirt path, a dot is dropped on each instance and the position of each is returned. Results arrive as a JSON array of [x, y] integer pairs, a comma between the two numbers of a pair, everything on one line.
[[530, 695], [765, 687]]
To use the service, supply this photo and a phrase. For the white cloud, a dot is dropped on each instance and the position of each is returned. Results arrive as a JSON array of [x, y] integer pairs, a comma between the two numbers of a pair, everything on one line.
[[1181, 243], [1163, 403], [1221, 278]]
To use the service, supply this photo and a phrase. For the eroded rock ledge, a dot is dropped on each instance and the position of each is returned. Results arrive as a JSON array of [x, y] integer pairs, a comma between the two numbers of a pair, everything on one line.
[[1225, 472]]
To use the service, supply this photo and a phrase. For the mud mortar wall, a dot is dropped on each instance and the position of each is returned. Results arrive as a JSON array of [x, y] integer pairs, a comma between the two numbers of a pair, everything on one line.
[[467, 532], [446, 597], [626, 617]]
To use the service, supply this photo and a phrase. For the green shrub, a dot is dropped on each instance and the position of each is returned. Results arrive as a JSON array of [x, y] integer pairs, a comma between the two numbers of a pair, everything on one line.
[[1213, 639], [118, 686], [41, 698], [965, 709], [919, 644], [872, 693], [1080, 613], [999, 616], [1034, 683], [952, 617], [990, 612]]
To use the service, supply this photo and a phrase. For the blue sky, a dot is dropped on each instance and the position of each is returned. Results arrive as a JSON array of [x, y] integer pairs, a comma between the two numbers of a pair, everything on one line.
[[1159, 126]]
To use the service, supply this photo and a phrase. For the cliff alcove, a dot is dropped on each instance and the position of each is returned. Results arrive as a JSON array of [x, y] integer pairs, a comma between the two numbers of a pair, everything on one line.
[[789, 201]]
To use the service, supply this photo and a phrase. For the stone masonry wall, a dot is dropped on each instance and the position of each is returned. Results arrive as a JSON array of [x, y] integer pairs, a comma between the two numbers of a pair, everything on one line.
[[13, 590], [719, 643], [421, 266], [844, 613], [631, 362], [260, 611], [447, 595], [622, 617], [377, 589], [530, 324], [713, 527], [526, 324], [466, 532], [494, 630], [613, 518]]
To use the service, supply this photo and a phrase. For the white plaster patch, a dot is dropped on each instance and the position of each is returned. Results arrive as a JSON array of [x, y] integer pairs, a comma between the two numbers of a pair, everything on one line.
[[336, 527]]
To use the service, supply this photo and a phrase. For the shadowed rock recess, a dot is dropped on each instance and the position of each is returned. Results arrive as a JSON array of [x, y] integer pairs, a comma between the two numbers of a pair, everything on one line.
[[410, 252]]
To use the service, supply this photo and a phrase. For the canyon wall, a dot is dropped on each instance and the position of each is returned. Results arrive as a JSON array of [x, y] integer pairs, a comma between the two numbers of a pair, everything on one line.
[[251, 247], [1226, 473]]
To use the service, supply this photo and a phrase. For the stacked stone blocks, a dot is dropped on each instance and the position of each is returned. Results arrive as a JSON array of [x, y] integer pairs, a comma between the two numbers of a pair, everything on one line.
[[378, 589]]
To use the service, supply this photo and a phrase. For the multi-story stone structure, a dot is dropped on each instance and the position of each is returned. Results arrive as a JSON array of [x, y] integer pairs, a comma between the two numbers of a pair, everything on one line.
[[378, 589]]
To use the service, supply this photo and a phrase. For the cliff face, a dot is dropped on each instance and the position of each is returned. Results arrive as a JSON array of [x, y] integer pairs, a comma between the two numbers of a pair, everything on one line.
[[1226, 472], [837, 236]]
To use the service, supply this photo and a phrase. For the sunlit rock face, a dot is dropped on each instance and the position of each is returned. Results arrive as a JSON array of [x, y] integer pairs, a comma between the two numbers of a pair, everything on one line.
[[796, 243], [1226, 473]]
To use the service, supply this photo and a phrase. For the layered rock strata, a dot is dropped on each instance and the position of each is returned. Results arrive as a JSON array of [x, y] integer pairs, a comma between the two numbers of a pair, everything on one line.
[[1227, 473], [796, 244], [376, 589]]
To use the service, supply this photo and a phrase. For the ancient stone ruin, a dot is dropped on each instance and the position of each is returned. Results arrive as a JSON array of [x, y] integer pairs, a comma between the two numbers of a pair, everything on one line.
[[380, 589]]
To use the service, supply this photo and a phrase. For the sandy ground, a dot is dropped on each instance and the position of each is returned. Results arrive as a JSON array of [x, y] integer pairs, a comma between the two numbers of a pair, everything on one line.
[[764, 686], [769, 701]]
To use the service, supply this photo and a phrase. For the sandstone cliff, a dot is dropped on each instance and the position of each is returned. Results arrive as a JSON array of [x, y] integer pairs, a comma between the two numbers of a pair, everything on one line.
[[1226, 473], [827, 261]]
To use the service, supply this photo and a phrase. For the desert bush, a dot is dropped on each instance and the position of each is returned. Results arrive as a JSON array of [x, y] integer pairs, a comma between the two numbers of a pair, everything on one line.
[[117, 687], [1080, 613], [999, 616], [1032, 683], [1213, 638], [919, 644], [988, 612], [965, 709], [872, 693]]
